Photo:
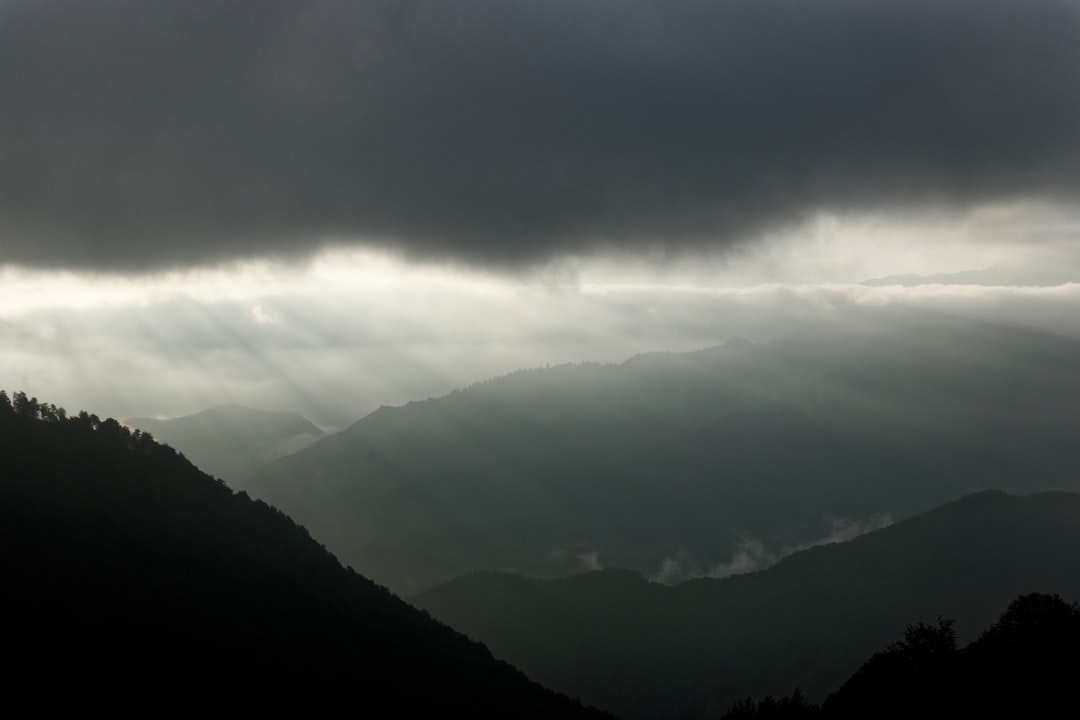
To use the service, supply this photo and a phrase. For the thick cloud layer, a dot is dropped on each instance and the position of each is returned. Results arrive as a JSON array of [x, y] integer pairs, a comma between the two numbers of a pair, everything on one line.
[[140, 135]]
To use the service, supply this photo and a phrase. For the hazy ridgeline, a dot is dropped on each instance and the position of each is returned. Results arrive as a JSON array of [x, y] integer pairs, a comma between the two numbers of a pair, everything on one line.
[[232, 442], [677, 465]]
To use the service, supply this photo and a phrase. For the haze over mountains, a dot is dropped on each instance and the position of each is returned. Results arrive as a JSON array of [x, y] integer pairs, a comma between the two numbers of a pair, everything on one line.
[[679, 465], [737, 279], [136, 580], [646, 650], [230, 441]]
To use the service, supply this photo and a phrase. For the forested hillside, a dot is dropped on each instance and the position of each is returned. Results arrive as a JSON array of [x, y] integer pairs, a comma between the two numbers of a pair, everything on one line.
[[134, 582]]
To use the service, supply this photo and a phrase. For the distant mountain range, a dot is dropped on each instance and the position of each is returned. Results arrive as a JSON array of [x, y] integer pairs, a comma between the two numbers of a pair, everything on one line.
[[231, 441], [645, 650], [134, 583], [672, 464]]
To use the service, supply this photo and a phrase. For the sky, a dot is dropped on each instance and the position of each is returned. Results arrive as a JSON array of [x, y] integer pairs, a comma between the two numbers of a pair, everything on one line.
[[330, 206]]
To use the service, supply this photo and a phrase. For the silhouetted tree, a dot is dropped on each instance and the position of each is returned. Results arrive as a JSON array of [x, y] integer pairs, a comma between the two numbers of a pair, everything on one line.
[[1024, 665], [907, 677], [1032, 618], [24, 406], [1026, 662]]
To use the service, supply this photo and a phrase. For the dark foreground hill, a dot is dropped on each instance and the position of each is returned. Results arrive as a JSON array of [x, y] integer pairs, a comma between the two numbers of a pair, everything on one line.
[[132, 581], [646, 650], [666, 462], [1024, 665], [231, 441]]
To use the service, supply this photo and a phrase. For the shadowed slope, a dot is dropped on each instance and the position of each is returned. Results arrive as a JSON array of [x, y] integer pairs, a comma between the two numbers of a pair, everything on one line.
[[1024, 665], [134, 581]]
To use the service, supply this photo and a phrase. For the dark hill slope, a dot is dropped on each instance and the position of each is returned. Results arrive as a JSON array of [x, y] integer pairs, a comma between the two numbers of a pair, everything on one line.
[[1024, 665], [231, 441], [646, 650], [668, 455], [133, 581]]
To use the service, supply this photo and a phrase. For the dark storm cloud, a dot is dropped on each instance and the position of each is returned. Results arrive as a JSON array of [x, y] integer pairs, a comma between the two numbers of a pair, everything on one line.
[[137, 134]]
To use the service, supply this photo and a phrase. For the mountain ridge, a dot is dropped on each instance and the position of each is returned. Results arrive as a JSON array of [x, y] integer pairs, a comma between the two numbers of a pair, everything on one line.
[[684, 455], [135, 581], [807, 621], [232, 441]]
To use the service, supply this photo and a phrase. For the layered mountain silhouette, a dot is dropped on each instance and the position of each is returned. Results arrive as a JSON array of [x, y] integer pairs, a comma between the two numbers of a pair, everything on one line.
[[231, 441], [670, 461], [646, 650], [133, 582]]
